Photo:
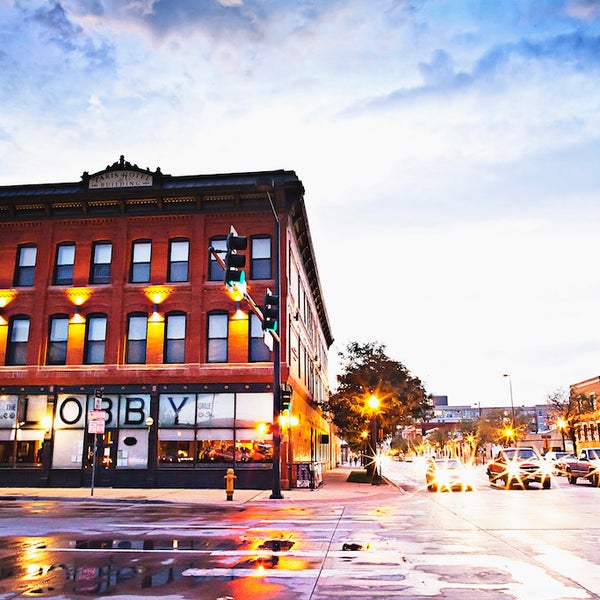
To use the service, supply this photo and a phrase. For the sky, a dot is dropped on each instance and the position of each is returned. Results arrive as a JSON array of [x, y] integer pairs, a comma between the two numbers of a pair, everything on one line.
[[448, 148]]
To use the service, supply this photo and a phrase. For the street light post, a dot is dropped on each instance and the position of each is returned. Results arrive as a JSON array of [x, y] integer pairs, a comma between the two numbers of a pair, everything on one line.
[[512, 404], [276, 428], [373, 405]]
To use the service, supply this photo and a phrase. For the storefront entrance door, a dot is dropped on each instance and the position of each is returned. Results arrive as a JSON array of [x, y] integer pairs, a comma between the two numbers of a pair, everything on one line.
[[106, 458]]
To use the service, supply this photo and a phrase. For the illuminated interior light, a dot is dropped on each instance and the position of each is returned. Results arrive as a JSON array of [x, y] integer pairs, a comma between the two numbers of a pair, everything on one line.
[[157, 294], [7, 296], [79, 296], [77, 317], [156, 317]]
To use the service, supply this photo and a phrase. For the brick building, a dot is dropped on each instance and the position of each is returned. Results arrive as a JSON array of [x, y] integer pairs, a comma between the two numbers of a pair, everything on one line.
[[110, 298]]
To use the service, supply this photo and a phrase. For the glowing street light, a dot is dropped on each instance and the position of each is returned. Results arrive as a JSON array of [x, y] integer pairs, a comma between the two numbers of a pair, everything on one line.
[[373, 404]]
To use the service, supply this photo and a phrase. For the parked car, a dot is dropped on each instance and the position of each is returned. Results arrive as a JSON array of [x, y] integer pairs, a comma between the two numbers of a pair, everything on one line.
[[587, 466], [561, 464], [448, 474], [520, 466], [552, 458]]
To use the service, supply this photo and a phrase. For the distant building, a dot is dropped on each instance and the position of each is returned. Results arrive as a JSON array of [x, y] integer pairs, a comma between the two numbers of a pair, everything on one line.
[[112, 305]]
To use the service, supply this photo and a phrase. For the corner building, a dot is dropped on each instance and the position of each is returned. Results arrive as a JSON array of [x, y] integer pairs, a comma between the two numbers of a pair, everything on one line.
[[110, 299]]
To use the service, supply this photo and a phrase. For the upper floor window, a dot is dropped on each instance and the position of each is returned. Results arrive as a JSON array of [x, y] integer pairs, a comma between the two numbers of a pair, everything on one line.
[[215, 270], [141, 252], [175, 338], [25, 265], [101, 260], [179, 256], [137, 333], [58, 334], [95, 340], [65, 260], [216, 346], [18, 336], [260, 258], [258, 351]]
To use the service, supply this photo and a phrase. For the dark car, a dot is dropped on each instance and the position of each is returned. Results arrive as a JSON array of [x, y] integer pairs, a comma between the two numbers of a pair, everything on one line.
[[448, 474], [519, 466]]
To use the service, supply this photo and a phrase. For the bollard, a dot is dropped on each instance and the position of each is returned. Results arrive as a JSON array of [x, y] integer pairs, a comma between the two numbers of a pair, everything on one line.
[[229, 482]]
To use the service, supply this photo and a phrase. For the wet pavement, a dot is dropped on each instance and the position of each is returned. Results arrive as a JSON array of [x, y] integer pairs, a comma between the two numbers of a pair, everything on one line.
[[343, 540]]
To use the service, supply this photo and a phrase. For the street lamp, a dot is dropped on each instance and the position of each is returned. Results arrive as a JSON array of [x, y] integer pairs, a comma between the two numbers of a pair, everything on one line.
[[562, 425], [373, 404], [512, 404], [276, 491]]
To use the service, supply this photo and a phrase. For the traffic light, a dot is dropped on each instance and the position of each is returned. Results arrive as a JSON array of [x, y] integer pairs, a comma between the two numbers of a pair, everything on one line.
[[235, 262], [285, 399], [270, 312]]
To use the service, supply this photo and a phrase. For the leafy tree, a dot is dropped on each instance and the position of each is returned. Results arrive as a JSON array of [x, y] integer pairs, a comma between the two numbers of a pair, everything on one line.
[[366, 371]]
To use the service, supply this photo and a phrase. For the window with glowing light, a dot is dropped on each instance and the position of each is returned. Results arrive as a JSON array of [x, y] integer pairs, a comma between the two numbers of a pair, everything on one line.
[[18, 336], [95, 339], [58, 334], [101, 262], [215, 270], [175, 338], [179, 256], [25, 265], [137, 333], [141, 253], [257, 349], [260, 258], [65, 262], [217, 337]]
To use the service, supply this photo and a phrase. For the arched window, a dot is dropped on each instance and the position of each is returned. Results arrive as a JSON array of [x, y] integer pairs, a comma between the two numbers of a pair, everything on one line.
[[101, 261], [95, 339], [25, 265], [137, 335], [58, 335], [141, 254], [215, 270], [18, 336], [260, 257], [175, 337], [64, 264], [217, 336], [179, 257], [257, 349]]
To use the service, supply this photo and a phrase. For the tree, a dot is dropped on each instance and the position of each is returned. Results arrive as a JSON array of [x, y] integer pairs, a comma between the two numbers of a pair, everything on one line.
[[567, 409], [366, 371]]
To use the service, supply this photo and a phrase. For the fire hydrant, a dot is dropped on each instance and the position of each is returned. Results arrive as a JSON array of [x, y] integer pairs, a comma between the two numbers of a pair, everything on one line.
[[229, 482]]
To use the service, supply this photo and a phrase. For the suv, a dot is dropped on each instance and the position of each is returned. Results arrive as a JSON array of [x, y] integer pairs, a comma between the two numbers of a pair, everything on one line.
[[586, 465], [520, 466]]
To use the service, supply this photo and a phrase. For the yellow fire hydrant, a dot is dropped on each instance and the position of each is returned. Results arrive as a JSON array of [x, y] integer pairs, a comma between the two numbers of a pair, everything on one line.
[[229, 483]]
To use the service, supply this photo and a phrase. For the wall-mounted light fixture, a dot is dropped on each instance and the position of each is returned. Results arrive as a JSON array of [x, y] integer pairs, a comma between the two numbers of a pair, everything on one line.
[[156, 317], [77, 318], [6, 296]]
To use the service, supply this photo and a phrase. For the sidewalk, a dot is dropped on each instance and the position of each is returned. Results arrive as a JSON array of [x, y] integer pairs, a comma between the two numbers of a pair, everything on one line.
[[335, 487]]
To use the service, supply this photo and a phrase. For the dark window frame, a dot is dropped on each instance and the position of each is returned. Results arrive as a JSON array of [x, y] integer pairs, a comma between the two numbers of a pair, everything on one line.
[[215, 270], [178, 271], [257, 349], [217, 340], [24, 274], [100, 272], [174, 347], [260, 266], [63, 271], [56, 350], [136, 348], [16, 351], [135, 266], [91, 346]]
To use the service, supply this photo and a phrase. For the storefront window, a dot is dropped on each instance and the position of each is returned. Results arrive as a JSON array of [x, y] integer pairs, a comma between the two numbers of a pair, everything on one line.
[[176, 448], [215, 446], [254, 445]]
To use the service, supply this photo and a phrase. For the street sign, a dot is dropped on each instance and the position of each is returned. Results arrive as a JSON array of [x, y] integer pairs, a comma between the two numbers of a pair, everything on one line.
[[96, 421], [97, 399]]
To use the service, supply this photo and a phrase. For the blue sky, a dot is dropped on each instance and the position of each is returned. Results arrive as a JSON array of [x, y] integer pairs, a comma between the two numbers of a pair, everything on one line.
[[448, 149]]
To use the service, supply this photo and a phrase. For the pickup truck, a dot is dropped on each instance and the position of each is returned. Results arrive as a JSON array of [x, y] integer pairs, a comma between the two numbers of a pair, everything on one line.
[[587, 466], [518, 466]]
